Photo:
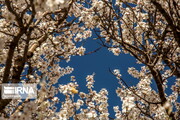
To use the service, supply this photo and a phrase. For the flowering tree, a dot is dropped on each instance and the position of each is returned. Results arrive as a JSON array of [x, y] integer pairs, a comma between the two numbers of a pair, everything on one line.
[[36, 35]]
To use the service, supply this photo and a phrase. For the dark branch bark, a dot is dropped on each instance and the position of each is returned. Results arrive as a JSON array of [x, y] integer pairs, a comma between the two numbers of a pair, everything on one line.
[[158, 79], [13, 45]]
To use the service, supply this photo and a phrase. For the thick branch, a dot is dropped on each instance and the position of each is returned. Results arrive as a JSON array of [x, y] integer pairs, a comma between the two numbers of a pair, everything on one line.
[[158, 79], [13, 45]]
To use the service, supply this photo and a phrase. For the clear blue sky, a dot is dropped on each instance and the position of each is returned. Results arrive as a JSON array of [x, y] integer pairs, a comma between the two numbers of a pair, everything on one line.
[[99, 63]]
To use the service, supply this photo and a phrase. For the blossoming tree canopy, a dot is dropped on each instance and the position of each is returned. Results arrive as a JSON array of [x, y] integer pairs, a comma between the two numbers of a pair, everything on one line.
[[37, 35]]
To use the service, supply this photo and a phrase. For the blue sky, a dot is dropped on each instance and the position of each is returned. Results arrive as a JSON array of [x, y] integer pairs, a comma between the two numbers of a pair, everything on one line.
[[99, 63]]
